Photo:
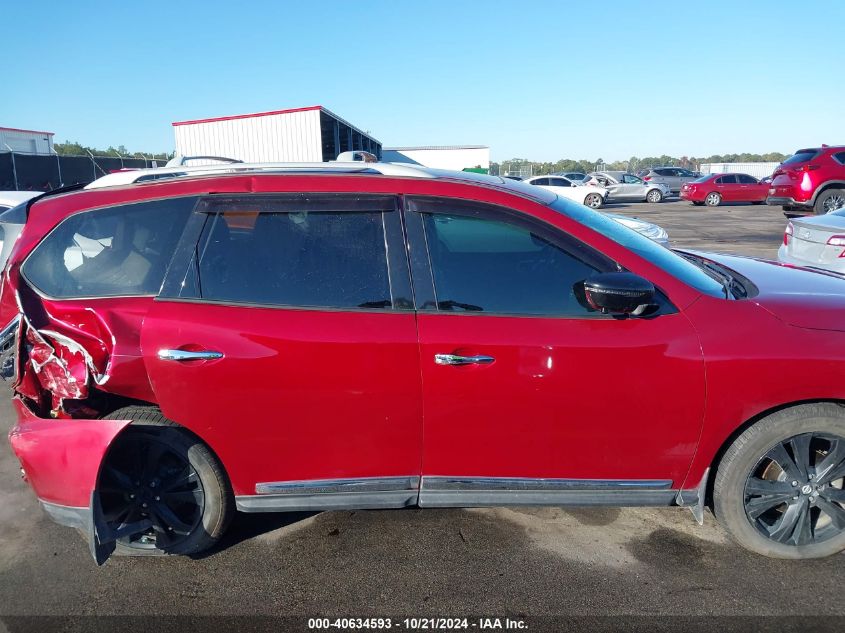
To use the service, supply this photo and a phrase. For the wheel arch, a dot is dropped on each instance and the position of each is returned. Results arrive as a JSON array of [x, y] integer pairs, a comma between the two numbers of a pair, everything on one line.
[[829, 184], [739, 430], [135, 422]]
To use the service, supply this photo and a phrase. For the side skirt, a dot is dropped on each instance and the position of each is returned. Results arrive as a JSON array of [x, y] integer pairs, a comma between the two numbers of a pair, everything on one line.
[[457, 492]]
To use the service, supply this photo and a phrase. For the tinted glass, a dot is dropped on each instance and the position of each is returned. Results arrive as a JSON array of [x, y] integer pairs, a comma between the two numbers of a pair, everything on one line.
[[628, 179], [664, 172], [119, 251], [839, 157], [304, 258], [801, 156], [540, 181], [746, 179], [726, 180], [672, 263], [482, 265], [3, 207], [703, 178], [559, 182]]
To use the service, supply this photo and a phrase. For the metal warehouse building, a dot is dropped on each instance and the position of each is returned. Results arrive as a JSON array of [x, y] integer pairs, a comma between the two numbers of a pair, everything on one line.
[[311, 134], [13, 139]]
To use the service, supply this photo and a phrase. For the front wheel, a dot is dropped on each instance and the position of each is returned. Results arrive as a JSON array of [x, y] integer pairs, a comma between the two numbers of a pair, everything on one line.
[[654, 196], [593, 200], [779, 488], [713, 199], [162, 491]]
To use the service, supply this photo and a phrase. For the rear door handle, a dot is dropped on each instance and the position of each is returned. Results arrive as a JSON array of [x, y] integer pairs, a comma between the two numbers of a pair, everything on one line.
[[454, 359], [183, 355]]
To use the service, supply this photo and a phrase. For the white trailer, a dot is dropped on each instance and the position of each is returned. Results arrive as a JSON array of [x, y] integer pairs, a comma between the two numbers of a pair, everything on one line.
[[311, 134], [758, 170], [455, 157], [13, 139]]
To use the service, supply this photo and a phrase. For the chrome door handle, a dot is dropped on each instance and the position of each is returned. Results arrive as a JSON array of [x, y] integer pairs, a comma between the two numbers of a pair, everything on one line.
[[183, 355], [454, 359]]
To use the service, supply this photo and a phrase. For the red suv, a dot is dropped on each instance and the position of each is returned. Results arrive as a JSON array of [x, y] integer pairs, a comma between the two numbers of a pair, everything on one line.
[[380, 336], [810, 181]]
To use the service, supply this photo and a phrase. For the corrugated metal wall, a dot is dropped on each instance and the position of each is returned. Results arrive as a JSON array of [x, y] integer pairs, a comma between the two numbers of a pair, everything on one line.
[[758, 170], [25, 141], [287, 137]]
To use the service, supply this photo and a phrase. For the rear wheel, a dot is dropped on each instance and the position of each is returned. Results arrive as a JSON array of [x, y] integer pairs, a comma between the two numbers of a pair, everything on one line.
[[593, 200], [779, 488], [161, 489], [713, 199], [654, 196], [829, 200]]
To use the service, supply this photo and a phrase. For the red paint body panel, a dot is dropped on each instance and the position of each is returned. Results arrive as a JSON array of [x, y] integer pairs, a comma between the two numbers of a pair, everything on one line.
[[570, 398], [299, 394], [62, 458]]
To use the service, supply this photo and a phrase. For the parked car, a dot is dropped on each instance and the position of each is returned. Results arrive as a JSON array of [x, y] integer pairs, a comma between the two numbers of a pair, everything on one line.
[[815, 241], [624, 186], [9, 199], [810, 181], [672, 177], [714, 189], [259, 339], [589, 195]]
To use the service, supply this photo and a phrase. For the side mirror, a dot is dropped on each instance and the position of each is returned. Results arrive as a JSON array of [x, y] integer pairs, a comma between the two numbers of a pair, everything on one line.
[[619, 293]]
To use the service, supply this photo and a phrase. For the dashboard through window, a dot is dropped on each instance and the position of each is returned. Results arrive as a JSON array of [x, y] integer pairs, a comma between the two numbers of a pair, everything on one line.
[[486, 263]]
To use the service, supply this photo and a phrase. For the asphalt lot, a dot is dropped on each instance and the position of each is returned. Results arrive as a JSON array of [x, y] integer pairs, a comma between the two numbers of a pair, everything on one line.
[[496, 562]]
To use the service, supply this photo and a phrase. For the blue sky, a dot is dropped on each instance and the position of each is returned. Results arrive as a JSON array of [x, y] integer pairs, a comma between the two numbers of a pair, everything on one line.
[[539, 80]]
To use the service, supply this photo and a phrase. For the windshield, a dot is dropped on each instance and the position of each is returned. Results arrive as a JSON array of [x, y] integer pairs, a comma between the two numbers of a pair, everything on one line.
[[658, 255]]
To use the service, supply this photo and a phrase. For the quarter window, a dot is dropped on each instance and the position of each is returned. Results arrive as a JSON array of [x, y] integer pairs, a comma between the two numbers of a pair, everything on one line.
[[312, 252], [490, 265], [119, 251]]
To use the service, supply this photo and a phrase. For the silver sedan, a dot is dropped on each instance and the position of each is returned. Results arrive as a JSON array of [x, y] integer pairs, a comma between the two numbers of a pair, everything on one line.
[[816, 242]]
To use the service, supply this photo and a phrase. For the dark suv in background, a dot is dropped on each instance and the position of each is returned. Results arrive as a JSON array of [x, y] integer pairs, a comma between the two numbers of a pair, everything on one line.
[[672, 177], [810, 181]]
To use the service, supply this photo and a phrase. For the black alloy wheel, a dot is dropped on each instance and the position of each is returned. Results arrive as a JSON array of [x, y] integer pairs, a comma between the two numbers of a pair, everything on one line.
[[795, 495]]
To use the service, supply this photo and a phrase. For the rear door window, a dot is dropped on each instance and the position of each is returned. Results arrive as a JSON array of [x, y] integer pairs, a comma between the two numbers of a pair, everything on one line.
[[117, 251], [310, 253], [540, 181], [744, 179]]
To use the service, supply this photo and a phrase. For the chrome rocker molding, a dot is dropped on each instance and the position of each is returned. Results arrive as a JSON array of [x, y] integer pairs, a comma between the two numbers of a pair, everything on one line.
[[332, 494], [444, 492]]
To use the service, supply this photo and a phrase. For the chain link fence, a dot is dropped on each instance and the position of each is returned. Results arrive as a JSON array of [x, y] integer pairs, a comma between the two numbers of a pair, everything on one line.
[[41, 172]]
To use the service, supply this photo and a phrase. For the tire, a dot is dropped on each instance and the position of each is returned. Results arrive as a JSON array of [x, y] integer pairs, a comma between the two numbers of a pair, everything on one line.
[[200, 494], [758, 202], [713, 199], [829, 200], [593, 200], [654, 196], [748, 481]]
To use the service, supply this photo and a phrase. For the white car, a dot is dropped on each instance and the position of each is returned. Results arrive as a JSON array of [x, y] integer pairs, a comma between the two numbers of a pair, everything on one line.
[[589, 195], [9, 199]]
